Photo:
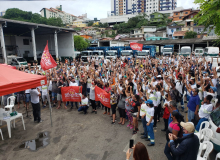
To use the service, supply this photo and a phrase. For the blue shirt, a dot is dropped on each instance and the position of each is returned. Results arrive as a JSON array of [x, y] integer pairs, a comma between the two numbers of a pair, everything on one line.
[[193, 102], [170, 120]]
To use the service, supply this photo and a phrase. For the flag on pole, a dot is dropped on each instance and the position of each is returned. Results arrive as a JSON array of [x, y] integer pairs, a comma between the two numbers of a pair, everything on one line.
[[47, 60], [136, 46]]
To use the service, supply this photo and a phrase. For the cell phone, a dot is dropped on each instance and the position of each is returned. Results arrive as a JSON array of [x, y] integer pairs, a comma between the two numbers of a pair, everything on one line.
[[131, 143]]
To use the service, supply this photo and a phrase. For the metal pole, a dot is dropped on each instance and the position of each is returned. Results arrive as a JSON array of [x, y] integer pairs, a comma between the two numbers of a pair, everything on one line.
[[179, 49], [3, 43], [192, 47], [48, 98], [207, 43], [73, 46], [33, 43], [56, 45]]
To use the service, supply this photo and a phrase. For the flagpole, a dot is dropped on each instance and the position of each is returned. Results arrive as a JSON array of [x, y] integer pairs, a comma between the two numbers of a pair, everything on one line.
[[48, 98]]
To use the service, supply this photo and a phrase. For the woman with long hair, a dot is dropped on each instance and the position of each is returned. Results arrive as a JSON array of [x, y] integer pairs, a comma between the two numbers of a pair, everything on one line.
[[174, 128], [135, 103], [139, 152]]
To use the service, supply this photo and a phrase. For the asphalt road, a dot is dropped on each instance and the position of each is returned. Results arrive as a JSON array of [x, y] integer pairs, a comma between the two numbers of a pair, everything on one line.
[[75, 136]]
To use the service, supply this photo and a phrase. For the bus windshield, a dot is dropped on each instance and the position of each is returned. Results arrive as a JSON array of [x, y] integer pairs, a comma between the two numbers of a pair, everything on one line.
[[126, 53], [97, 54], [110, 53], [167, 50], [186, 50], [84, 53], [143, 53]]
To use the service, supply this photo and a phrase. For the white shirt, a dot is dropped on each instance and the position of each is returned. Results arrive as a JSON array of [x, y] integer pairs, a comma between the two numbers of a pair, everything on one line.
[[27, 91], [149, 114], [92, 93], [179, 86], [44, 90], [205, 110], [84, 101], [73, 84], [143, 109], [34, 96]]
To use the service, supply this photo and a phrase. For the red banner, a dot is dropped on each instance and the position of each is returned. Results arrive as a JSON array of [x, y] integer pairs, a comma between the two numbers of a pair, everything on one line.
[[102, 96], [47, 60], [71, 94], [136, 46]]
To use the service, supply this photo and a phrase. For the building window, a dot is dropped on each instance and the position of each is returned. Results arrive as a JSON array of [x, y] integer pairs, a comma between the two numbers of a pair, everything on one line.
[[180, 17], [176, 13], [186, 12], [25, 41]]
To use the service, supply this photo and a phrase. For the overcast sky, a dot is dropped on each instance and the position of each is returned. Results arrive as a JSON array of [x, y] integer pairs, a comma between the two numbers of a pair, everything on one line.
[[93, 8]]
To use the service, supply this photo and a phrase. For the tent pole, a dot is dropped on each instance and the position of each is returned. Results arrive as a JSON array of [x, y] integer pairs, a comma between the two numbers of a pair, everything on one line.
[[48, 98]]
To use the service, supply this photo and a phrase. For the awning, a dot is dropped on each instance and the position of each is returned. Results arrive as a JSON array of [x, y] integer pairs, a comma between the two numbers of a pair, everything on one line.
[[12, 80]]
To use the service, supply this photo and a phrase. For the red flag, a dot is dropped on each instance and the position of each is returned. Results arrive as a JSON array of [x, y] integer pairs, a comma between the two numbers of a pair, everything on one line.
[[102, 96], [71, 94], [136, 46], [47, 60]]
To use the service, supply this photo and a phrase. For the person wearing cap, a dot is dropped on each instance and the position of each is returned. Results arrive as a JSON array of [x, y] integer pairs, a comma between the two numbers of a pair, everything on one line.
[[188, 145], [193, 104], [150, 122], [204, 111], [211, 91]]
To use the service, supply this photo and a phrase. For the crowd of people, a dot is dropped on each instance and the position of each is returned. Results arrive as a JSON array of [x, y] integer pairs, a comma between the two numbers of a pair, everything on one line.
[[142, 90]]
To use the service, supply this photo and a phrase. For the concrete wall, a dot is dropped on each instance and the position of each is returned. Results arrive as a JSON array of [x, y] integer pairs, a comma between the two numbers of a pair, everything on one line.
[[24, 48], [149, 29], [41, 41], [65, 44]]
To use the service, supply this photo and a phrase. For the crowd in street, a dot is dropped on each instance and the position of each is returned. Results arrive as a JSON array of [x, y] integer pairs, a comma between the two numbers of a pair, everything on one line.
[[148, 90]]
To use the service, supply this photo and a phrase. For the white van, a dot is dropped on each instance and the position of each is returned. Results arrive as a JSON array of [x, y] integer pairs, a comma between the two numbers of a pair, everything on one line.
[[185, 51], [211, 51], [199, 51], [85, 55], [17, 61]]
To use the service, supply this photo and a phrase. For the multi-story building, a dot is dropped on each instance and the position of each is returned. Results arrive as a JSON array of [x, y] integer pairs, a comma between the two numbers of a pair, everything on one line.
[[180, 15], [167, 5], [58, 13], [127, 7], [2, 13]]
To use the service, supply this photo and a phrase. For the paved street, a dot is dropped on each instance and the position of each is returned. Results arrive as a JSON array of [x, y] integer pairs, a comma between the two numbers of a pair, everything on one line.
[[75, 136]]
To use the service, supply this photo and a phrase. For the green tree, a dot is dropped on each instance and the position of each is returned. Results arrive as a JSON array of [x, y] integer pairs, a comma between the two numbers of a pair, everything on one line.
[[105, 25], [90, 23], [80, 44], [209, 15], [190, 34], [17, 14]]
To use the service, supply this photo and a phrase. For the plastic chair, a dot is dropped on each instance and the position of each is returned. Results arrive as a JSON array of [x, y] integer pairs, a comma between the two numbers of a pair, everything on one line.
[[203, 154], [10, 103], [200, 128], [217, 156], [205, 135], [1, 134]]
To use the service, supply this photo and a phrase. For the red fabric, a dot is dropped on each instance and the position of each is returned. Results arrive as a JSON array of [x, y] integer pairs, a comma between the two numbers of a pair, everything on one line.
[[136, 46], [166, 113], [9, 66], [12, 80], [47, 60], [102, 96], [71, 94]]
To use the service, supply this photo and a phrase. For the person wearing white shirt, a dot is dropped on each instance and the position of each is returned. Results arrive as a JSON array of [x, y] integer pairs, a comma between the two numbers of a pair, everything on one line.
[[204, 111], [84, 103], [35, 94], [143, 119], [150, 121]]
